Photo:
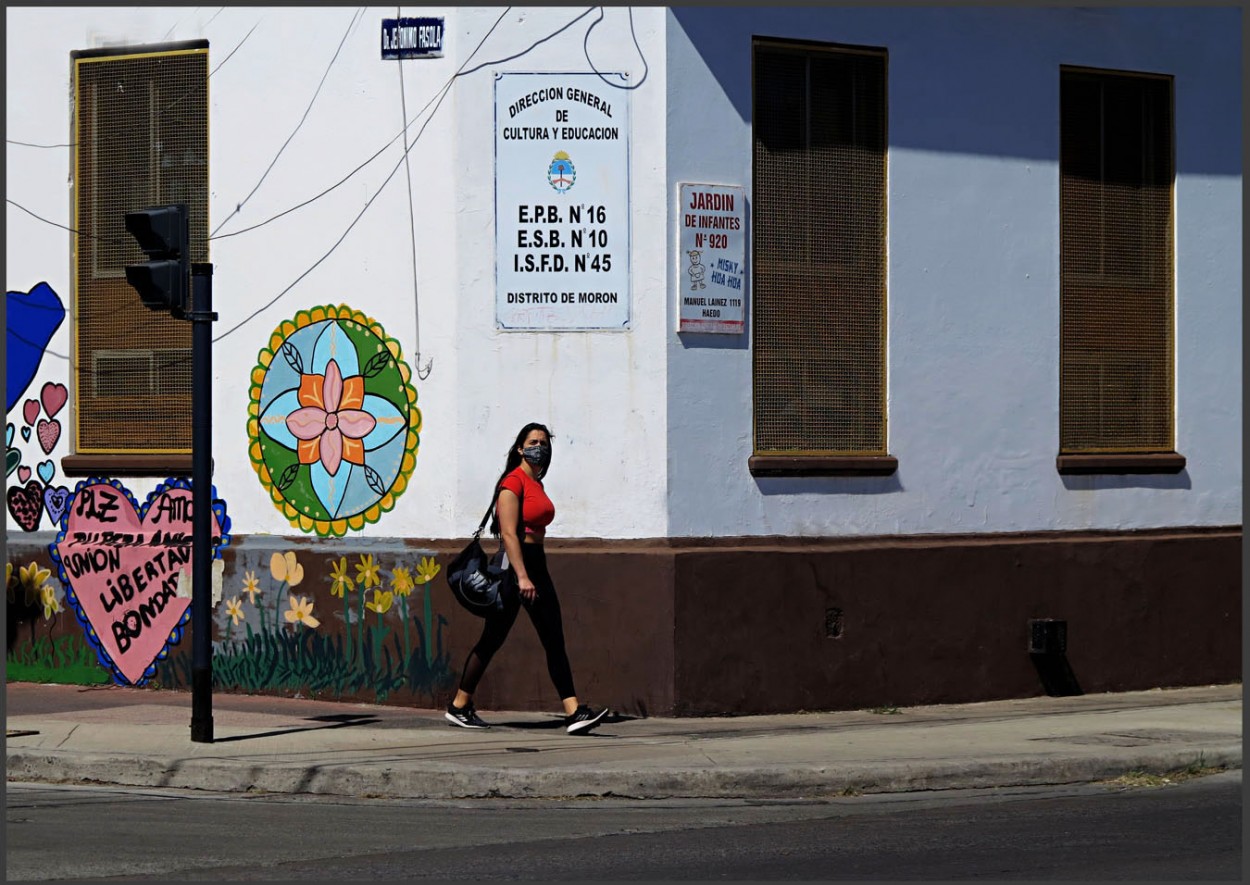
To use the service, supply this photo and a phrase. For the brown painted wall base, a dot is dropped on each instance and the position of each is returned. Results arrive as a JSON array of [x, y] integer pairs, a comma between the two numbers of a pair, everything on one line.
[[751, 625], [925, 620], [780, 625]]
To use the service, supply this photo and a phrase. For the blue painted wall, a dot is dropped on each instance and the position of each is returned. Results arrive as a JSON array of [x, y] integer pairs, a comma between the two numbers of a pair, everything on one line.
[[973, 286]]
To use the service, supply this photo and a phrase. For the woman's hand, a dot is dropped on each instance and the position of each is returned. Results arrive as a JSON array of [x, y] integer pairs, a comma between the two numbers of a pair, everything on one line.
[[528, 591]]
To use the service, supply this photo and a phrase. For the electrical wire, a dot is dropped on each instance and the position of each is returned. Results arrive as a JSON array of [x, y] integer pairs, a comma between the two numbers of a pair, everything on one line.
[[236, 49], [407, 125], [20, 337], [463, 71], [443, 94], [29, 144], [586, 51], [440, 96], [239, 206], [412, 226], [116, 241], [527, 50]]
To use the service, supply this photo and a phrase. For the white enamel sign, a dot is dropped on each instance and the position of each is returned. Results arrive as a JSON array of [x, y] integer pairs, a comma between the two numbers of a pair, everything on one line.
[[561, 202]]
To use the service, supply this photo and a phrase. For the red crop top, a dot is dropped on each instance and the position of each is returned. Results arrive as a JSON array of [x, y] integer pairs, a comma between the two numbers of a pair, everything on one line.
[[537, 511]]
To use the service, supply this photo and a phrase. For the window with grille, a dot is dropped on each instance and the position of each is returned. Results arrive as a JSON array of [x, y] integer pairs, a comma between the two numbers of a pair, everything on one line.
[[1116, 259], [141, 139], [819, 250]]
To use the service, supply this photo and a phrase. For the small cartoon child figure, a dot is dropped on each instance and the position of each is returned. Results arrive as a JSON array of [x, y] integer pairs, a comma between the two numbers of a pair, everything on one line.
[[695, 270]]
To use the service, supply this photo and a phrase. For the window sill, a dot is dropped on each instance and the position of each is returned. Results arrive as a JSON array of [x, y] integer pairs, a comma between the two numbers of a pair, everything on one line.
[[822, 465], [1129, 462], [160, 464]]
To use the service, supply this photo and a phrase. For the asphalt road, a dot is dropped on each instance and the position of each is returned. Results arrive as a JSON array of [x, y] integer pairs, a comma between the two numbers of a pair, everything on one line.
[[1183, 831]]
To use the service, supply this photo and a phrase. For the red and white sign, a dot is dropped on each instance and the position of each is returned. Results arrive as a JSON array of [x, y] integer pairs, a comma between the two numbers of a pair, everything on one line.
[[711, 258]]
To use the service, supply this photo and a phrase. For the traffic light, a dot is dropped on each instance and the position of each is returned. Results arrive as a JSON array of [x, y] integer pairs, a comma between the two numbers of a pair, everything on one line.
[[163, 282]]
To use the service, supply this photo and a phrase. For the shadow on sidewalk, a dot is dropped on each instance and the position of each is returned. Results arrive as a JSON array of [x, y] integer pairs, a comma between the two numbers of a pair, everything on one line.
[[336, 720]]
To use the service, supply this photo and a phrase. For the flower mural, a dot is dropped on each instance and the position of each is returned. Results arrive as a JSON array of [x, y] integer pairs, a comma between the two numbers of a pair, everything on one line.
[[51, 602], [330, 424], [401, 581], [333, 423], [300, 612], [268, 638], [46, 655], [381, 602], [340, 582], [367, 572], [285, 567], [251, 586]]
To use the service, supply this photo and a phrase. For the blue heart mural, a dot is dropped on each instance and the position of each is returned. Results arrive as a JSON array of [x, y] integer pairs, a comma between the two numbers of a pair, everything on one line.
[[32, 319]]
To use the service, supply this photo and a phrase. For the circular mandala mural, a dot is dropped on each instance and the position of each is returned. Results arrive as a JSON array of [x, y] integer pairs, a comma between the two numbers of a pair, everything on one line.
[[332, 422]]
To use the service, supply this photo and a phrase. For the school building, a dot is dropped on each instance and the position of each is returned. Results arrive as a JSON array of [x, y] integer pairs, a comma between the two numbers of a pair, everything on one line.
[[892, 355]]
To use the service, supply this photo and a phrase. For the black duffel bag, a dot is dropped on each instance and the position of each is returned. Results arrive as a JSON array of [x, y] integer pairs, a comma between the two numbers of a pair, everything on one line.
[[477, 581]]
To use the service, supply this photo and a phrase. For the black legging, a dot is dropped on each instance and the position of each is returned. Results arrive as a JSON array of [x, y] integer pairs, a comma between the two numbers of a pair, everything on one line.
[[544, 611]]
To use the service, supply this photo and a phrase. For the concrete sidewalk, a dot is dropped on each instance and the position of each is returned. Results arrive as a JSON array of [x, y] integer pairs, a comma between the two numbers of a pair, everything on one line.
[[138, 737]]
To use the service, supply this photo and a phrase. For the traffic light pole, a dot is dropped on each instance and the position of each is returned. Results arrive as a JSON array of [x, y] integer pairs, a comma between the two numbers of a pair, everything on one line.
[[201, 316]]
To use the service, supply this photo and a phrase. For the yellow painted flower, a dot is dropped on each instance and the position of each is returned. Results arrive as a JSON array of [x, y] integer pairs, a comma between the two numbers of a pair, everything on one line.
[[427, 569], [251, 586], [367, 572], [340, 583], [284, 568], [381, 602], [32, 578], [8, 573], [34, 575], [301, 612], [401, 581], [51, 605], [234, 608]]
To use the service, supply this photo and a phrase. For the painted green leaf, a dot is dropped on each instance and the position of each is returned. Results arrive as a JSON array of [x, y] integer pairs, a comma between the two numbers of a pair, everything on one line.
[[288, 476], [374, 480], [376, 364], [294, 360]]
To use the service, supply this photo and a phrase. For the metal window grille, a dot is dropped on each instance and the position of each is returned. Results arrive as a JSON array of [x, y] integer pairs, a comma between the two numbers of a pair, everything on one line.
[[819, 235], [141, 136], [1116, 260]]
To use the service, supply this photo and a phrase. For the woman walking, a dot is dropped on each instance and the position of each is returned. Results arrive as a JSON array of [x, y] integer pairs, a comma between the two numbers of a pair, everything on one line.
[[522, 504]]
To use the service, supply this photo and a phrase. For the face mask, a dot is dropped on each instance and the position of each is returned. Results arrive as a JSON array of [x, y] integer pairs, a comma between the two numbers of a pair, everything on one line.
[[538, 455]]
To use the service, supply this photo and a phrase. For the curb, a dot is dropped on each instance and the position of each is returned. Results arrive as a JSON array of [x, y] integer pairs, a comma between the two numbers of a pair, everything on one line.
[[434, 781]]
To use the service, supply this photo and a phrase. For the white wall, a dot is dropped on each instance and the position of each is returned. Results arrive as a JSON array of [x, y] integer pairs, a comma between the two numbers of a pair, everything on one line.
[[973, 312], [37, 112], [600, 392], [654, 429]]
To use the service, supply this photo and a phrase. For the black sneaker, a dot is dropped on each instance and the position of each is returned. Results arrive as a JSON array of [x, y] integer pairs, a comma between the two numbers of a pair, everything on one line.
[[465, 717], [583, 719]]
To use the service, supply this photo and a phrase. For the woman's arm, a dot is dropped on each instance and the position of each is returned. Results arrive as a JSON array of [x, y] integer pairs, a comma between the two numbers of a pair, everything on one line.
[[508, 509]]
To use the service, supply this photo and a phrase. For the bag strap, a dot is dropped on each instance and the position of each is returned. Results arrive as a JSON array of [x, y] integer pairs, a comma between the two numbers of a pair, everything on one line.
[[520, 516], [482, 525]]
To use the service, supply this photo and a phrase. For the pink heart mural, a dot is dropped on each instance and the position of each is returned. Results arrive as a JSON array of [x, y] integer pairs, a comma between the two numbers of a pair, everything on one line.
[[30, 410], [23, 474], [121, 562], [53, 397], [48, 432]]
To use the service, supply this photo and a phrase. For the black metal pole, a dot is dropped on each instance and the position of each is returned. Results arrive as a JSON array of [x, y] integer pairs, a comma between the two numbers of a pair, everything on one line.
[[201, 316]]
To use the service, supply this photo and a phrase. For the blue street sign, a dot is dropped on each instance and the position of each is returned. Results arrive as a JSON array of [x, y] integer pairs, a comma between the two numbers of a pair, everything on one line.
[[412, 38]]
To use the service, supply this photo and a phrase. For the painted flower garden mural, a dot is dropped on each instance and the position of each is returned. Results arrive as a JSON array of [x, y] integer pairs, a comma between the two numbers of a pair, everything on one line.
[[377, 636], [333, 423]]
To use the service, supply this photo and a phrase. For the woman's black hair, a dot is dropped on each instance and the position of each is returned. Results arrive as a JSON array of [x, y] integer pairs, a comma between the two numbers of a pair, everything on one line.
[[513, 462]]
